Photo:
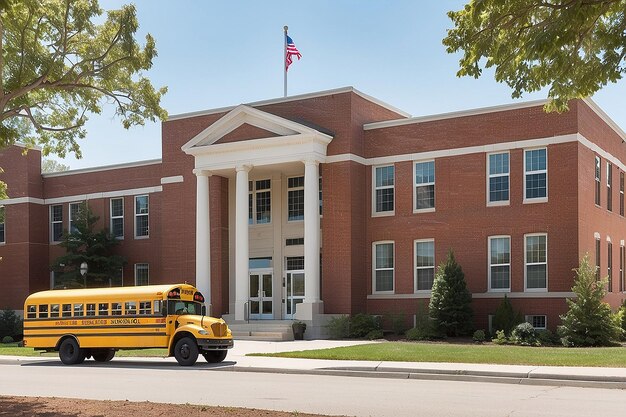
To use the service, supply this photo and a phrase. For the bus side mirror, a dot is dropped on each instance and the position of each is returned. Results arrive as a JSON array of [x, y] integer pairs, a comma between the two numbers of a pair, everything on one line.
[[204, 310]]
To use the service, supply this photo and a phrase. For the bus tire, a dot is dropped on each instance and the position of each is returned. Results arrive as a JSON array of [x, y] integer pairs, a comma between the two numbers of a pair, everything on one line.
[[103, 355], [70, 353], [214, 356], [186, 351]]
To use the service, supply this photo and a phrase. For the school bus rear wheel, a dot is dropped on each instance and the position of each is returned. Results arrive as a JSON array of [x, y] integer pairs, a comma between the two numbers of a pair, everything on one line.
[[186, 351]]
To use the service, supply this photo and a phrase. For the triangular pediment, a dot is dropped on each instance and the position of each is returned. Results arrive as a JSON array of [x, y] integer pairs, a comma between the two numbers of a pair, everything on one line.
[[246, 123]]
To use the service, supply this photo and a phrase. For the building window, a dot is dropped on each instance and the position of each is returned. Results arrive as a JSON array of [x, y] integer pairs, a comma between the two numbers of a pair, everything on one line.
[[295, 198], [424, 264], [142, 274], [117, 217], [384, 178], [500, 263], [598, 179], [498, 178], [2, 224], [609, 265], [598, 259], [535, 174], [383, 267], [294, 241], [75, 211], [621, 193], [622, 256], [259, 202], [424, 185], [142, 216], [609, 183], [56, 223], [538, 322], [536, 260]]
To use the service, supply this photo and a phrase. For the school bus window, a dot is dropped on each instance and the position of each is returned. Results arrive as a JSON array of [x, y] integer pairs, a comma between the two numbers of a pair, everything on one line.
[[144, 307], [131, 307], [157, 308], [91, 309], [103, 309], [32, 312], [43, 311], [78, 310], [67, 310], [54, 310], [116, 309]]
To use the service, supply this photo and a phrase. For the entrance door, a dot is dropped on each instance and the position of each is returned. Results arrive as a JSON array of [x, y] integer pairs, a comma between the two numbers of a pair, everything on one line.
[[295, 292], [260, 295]]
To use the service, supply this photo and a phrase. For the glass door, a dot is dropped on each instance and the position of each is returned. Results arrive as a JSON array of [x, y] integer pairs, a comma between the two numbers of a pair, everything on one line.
[[295, 292], [260, 296]]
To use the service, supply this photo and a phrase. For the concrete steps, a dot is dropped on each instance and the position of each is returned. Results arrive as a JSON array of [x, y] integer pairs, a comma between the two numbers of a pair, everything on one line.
[[269, 331]]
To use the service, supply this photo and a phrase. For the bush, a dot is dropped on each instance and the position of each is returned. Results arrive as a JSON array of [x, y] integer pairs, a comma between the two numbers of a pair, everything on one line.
[[450, 302], [362, 324], [506, 318], [7, 339], [374, 334], [589, 321], [524, 334], [500, 338], [397, 321], [338, 327], [479, 336], [10, 324], [424, 328], [622, 318], [547, 338]]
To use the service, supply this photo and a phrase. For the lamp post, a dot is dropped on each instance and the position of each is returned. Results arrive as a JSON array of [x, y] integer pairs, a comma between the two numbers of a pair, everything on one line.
[[83, 271]]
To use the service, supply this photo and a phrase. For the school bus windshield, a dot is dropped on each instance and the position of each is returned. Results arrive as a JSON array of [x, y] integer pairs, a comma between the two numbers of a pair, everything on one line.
[[179, 307]]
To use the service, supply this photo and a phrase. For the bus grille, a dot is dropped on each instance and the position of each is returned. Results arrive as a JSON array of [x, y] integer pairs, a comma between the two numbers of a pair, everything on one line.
[[219, 329]]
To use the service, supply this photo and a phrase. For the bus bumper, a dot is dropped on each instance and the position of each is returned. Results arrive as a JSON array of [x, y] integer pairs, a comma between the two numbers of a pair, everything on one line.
[[215, 344]]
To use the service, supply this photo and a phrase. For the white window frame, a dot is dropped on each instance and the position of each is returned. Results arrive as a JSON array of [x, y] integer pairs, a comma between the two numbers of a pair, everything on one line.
[[529, 319], [415, 267], [69, 213], [526, 289], [384, 187], [141, 214], [117, 217], [415, 185], [253, 193], [293, 189], [490, 176], [609, 186], [3, 222], [374, 269], [597, 190], [137, 265], [489, 264], [535, 199], [53, 222]]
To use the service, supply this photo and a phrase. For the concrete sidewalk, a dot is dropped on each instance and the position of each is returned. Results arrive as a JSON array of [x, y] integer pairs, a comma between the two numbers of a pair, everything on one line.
[[237, 361]]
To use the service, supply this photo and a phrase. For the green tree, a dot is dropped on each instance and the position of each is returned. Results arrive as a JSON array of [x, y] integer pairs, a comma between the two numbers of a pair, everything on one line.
[[50, 165], [506, 318], [450, 301], [573, 46], [10, 324], [57, 66], [93, 247], [589, 321]]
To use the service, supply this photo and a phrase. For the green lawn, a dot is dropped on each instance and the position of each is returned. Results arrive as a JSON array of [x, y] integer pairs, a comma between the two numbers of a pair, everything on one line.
[[468, 353], [11, 349]]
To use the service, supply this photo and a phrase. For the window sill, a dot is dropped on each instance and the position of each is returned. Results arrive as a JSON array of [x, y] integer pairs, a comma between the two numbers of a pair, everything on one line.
[[384, 214], [499, 290], [535, 200], [535, 290], [498, 203], [428, 210], [142, 237]]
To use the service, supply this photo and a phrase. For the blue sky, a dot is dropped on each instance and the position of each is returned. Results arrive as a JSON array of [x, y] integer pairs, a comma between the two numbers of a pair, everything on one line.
[[223, 53]]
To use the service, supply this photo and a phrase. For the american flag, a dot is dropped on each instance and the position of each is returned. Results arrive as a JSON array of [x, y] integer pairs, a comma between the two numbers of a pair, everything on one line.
[[291, 51]]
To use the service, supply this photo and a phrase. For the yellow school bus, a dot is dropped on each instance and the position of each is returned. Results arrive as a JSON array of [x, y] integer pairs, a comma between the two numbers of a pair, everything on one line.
[[96, 322]]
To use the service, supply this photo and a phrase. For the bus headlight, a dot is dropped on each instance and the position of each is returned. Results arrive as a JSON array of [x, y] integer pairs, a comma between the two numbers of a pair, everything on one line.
[[203, 332]]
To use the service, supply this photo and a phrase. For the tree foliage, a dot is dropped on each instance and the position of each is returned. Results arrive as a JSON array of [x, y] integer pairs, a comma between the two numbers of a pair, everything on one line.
[[93, 247], [10, 324], [450, 301], [57, 66], [50, 165], [589, 321], [506, 318], [574, 47]]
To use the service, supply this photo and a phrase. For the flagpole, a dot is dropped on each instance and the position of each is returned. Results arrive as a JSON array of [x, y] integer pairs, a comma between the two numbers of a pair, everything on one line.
[[285, 62]]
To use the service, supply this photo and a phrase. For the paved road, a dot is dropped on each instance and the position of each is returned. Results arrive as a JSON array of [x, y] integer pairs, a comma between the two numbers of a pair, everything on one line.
[[164, 381]]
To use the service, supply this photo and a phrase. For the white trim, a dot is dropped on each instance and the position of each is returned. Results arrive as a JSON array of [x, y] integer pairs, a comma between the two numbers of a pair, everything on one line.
[[426, 184], [489, 264], [608, 238], [488, 176], [23, 200], [537, 295], [454, 115], [292, 98], [533, 290], [535, 199], [102, 168], [172, 180], [415, 267], [108, 194], [596, 235], [392, 212], [393, 270]]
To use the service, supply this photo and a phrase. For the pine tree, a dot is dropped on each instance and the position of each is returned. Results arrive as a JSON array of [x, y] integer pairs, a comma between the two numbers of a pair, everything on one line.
[[589, 321], [93, 247], [505, 317], [450, 302]]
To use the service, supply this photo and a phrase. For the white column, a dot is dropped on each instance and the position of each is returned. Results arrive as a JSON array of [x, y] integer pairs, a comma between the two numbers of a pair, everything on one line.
[[241, 241], [311, 232], [203, 236]]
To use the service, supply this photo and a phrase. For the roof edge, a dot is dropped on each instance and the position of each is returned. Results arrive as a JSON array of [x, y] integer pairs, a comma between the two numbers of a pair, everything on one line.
[[605, 117], [102, 168]]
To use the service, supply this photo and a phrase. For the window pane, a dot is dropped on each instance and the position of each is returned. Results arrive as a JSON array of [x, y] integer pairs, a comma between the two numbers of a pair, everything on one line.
[[536, 185], [141, 274], [499, 188], [295, 205], [384, 255], [500, 277], [500, 250], [57, 231], [295, 182], [142, 225], [425, 254], [263, 207], [141, 204], [536, 276], [117, 227], [424, 172], [384, 280], [499, 164], [384, 176], [535, 249], [57, 213], [425, 278], [117, 207], [295, 263], [263, 185], [384, 200], [536, 160], [425, 197]]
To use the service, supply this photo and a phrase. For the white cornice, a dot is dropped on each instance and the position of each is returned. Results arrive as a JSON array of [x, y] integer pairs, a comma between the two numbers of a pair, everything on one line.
[[83, 197], [452, 115], [605, 117], [477, 295], [102, 168]]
